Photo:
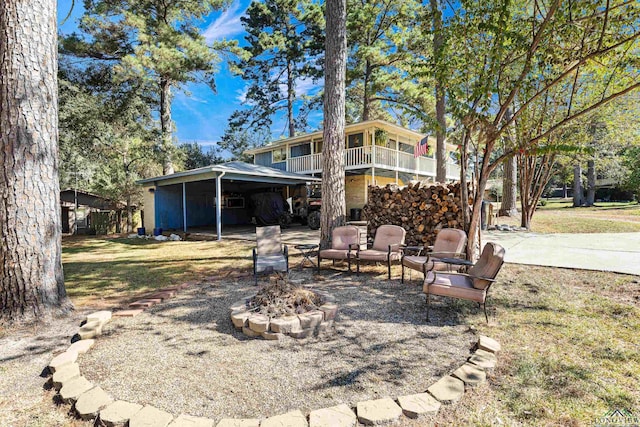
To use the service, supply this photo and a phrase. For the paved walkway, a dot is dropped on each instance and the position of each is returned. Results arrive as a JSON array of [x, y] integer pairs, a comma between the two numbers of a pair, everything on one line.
[[617, 252]]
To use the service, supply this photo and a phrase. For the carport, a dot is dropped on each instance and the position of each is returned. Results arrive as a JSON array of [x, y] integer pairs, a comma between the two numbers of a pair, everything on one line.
[[214, 194]]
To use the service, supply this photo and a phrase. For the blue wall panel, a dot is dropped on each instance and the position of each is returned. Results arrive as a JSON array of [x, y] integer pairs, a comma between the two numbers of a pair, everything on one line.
[[263, 159], [280, 165], [169, 207]]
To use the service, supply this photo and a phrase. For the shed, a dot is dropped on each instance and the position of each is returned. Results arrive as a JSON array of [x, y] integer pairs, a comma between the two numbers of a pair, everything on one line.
[[83, 212], [214, 195]]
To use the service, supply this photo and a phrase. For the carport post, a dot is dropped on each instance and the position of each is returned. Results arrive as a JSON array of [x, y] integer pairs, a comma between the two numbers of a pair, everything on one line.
[[184, 205], [219, 205]]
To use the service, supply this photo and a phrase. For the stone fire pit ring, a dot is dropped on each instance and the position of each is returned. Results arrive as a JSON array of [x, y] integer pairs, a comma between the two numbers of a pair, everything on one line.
[[311, 323]]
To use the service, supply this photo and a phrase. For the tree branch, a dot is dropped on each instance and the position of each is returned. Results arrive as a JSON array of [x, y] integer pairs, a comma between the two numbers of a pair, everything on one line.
[[527, 63]]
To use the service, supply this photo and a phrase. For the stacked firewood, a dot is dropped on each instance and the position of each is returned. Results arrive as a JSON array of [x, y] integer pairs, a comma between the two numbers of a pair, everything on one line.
[[421, 208]]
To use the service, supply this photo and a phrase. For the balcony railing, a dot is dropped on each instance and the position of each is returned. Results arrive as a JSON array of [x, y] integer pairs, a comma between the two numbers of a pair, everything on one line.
[[370, 156]]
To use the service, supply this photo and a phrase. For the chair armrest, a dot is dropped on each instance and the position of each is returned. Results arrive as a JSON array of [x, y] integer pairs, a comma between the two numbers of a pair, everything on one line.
[[469, 276], [461, 255], [417, 249]]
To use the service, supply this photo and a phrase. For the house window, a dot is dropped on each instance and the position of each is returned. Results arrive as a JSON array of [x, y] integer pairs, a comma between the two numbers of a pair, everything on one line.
[[317, 148], [301, 150], [406, 148], [355, 140], [279, 155]]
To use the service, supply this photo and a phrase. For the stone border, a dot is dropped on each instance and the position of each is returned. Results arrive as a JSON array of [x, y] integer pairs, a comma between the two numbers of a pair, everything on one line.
[[90, 402], [311, 323]]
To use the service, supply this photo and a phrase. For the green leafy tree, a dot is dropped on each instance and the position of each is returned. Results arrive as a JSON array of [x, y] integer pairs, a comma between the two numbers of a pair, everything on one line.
[[568, 49], [155, 40], [284, 48], [194, 156], [378, 35], [109, 139], [237, 140]]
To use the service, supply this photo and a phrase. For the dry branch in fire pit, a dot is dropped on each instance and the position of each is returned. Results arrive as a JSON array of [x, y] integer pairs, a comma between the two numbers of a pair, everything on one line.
[[283, 299]]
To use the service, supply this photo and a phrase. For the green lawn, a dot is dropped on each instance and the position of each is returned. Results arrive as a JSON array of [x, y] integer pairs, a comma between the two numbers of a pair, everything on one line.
[[570, 338], [101, 271], [558, 216]]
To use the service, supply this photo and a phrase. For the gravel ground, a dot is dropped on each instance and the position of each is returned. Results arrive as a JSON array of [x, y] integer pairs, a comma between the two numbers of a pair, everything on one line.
[[24, 354], [184, 356]]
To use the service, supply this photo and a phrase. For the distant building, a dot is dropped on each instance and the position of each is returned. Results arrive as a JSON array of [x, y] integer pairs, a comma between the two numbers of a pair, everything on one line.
[[86, 213]]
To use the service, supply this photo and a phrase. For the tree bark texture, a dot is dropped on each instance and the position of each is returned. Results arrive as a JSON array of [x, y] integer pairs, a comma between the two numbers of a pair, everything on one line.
[[438, 43], [333, 202], [31, 283], [291, 96], [509, 188], [577, 185], [366, 107], [166, 125], [591, 182], [535, 173]]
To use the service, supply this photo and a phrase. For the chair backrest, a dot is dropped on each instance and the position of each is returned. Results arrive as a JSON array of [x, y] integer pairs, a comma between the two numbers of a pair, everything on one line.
[[488, 265], [450, 240], [389, 235], [268, 240], [342, 237]]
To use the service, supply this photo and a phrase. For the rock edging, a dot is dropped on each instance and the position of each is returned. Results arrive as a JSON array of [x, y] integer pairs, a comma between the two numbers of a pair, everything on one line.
[[311, 323], [90, 402]]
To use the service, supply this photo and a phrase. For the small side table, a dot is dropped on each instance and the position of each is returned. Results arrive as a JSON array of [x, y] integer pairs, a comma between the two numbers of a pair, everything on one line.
[[307, 253], [456, 261]]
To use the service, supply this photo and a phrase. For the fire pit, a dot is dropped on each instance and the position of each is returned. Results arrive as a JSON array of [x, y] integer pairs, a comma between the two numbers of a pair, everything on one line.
[[281, 309]]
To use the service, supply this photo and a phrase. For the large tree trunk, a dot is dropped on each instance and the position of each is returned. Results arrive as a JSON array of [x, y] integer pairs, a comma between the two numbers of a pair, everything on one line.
[[366, 103], [591, 182], [291, 96], [333, 201], [577, 185], [441, 146], [166, 126], [509, 188], [31, 283]]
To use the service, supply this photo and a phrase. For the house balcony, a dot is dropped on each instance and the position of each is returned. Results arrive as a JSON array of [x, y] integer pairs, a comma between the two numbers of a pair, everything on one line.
[[371, 156]]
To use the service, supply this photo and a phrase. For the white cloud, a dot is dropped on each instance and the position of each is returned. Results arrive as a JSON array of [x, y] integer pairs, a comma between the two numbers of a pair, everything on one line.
[[227, 24]]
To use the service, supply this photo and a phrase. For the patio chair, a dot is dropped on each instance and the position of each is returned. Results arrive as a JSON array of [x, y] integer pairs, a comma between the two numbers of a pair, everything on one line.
[[473, 286], [450, 243], [387, 246], [270, 255], [345, 241]]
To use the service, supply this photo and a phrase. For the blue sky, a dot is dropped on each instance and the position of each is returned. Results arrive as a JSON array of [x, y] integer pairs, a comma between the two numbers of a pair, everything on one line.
[[199, 114]]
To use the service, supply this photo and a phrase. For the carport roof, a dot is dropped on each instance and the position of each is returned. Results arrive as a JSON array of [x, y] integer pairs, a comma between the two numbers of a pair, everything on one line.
[[240, 171]]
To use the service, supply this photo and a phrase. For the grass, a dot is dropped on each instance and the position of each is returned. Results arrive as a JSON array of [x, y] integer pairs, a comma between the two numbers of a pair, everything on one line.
[[558, 216], [570, 338], [570, 348], [107, 272]]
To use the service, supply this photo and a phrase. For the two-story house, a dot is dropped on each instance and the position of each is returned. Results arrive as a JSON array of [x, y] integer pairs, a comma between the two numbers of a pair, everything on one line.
[[376, 152]]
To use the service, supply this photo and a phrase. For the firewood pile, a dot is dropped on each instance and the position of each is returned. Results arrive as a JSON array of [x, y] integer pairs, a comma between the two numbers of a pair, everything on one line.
[[421, 208], [284, 299]]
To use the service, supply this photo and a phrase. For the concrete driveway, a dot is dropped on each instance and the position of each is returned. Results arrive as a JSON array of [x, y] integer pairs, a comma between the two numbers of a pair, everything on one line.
[[616, 252]]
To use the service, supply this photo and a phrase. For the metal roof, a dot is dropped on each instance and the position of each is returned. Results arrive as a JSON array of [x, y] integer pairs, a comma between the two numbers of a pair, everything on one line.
[[240, 171]]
